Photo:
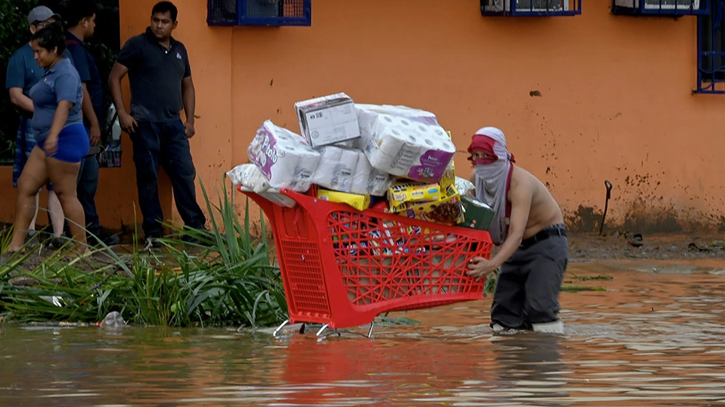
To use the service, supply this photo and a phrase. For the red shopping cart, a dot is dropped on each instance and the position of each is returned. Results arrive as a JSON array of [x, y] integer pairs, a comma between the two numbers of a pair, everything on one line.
[[342, 267]]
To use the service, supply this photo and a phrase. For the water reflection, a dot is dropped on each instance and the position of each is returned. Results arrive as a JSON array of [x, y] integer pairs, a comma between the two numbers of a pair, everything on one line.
[[530, 364], [651, 339]]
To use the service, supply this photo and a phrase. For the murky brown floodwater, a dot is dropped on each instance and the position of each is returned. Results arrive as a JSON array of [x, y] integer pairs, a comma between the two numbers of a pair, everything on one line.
[[652, 339]]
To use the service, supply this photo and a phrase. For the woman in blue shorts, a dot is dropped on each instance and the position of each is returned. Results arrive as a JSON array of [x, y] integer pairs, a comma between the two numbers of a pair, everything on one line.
[[62, 140]]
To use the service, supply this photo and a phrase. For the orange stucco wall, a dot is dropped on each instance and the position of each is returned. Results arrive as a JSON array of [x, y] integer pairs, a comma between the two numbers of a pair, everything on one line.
[[615, 97], [615, 100]]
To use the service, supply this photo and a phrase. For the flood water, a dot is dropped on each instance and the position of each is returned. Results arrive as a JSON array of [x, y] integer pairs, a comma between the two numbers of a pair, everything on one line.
[[652, 339]]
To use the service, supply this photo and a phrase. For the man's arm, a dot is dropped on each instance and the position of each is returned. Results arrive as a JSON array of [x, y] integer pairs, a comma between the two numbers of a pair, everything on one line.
[[15, 80], [127, 122], [520, 196], [90, 115], [188, 97], [18, 98]]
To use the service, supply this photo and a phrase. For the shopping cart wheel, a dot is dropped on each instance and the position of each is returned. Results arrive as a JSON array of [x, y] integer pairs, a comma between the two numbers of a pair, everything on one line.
[[370, 333], [279, 328]]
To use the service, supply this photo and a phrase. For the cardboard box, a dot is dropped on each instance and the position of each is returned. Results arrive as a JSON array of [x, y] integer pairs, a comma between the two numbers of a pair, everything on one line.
[[477, 215], [402, 192], [446, 210], [328, 120], [359, 202]]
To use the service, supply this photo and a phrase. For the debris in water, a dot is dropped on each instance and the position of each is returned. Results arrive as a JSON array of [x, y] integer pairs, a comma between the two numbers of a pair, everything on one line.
[[113, 320], [383, 320], [577, 288], [636, 240]]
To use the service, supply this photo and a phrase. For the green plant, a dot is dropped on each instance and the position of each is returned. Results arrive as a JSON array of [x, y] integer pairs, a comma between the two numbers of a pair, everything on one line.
[[225, 279]]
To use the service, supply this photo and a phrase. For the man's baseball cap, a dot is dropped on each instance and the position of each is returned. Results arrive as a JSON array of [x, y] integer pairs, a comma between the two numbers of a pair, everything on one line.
[[41, 13]]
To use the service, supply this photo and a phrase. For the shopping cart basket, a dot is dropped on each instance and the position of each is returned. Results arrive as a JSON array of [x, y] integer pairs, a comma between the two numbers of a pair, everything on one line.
[[342, 267]]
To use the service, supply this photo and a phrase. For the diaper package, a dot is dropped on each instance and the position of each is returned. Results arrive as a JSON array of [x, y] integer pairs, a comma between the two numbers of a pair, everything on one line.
[[283, 157]]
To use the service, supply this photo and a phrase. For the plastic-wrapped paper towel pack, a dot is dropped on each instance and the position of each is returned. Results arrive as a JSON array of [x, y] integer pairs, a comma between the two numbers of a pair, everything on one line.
[[336, 169], [368, 180], [405, 147], [283, 157], [249, 176]]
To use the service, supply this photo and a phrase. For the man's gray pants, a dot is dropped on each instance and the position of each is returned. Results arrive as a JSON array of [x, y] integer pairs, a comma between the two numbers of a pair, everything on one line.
[[528, 284]]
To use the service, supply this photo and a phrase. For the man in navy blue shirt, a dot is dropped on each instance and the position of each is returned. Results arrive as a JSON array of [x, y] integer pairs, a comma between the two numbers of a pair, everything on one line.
[[160, 76], [81, 26], [24, 72]]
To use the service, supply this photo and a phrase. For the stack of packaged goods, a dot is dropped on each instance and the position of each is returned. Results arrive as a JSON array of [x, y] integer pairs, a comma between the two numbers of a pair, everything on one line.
[[393, 158]]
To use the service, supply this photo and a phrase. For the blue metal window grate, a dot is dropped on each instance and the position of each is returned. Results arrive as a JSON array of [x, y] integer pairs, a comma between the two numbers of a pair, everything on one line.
[[260, 12], [671, 8], [534, 8], [711, 50]]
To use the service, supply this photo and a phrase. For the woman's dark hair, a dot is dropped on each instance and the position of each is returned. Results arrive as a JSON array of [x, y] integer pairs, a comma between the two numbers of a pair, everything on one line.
[[51, 37]]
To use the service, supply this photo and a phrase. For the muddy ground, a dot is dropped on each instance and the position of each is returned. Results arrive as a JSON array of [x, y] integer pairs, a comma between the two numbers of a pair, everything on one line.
[[657, 247]]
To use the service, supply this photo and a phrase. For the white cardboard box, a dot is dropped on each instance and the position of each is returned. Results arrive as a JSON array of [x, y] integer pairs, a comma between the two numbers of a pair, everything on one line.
[[328, 120]]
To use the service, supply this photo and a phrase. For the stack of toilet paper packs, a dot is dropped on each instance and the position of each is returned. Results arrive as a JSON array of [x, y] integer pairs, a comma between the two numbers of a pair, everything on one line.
[[394, 158]]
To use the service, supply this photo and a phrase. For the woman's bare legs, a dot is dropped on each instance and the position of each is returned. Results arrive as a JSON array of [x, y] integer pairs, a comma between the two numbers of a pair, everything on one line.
[[35, 215], [57, 217], [64, 177], [34, 176]]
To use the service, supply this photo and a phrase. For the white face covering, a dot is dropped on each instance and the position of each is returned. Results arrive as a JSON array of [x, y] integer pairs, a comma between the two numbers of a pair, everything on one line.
[[492, 183]]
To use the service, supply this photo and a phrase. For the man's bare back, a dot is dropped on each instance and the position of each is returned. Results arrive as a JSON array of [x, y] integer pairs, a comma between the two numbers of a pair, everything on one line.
[[544, 210]]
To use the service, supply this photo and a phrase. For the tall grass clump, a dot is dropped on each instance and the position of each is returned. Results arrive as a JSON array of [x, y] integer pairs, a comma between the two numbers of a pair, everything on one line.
[[224, 278]]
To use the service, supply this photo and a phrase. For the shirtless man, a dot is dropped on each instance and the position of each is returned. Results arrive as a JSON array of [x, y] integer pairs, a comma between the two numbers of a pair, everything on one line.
[[529, 227]]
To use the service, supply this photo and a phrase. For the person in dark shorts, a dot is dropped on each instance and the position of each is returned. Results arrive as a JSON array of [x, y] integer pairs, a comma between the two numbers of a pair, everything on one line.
[[81, 15], [23, 72], [160, 76], [529, 228], [62, 140]]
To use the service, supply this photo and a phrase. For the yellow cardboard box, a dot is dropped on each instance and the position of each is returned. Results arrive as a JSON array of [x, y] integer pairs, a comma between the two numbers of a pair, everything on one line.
[[447, 210], [402, 192], [359, 202]]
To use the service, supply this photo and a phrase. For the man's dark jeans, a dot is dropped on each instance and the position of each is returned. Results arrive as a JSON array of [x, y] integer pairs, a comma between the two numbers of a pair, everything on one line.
[[86, 191], [164, 143]]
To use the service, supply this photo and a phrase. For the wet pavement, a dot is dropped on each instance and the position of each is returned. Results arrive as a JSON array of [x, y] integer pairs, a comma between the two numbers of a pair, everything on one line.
[[655, 337]]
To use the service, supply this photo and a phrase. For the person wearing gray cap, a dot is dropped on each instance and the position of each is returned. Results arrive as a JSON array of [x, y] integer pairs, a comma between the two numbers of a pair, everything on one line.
[[24, 72], [40, 16]]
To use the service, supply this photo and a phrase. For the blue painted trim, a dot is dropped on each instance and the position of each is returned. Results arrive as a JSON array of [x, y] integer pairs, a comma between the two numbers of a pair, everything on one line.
[[513, 12], [242, 20], [642, 10], [709, 79]]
